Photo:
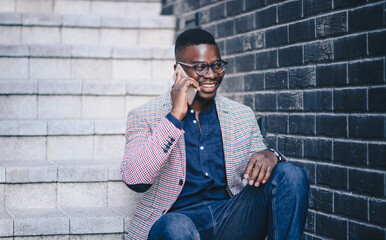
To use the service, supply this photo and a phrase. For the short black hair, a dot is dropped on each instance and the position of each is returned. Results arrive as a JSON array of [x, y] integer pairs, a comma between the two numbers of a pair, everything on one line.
[[195, 36]]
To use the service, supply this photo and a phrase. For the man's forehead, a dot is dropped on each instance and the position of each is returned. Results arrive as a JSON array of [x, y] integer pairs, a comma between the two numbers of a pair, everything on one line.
[[198, 51]]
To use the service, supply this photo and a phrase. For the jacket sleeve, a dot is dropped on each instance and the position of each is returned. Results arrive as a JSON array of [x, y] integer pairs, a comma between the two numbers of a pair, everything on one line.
[[147, 149], [257, 143]]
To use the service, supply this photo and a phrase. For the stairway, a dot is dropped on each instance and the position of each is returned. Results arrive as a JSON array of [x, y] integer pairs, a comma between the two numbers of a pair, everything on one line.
[[70, 70]]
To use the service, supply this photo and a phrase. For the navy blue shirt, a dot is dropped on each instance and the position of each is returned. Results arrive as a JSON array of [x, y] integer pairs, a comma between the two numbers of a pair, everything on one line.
[[205, 165]]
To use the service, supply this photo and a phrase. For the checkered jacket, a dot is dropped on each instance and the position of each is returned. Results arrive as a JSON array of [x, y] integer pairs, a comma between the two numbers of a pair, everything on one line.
[[155, 154]]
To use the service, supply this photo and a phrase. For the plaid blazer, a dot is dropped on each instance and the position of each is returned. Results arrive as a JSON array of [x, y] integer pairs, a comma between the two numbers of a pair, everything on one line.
[[155, 154]]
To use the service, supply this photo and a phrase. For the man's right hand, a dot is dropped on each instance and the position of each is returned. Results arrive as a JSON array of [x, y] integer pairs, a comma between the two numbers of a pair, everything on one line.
[[179, 95]]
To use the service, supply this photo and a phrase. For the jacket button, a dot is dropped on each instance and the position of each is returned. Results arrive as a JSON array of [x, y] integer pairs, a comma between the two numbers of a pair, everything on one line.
[[181, 182]]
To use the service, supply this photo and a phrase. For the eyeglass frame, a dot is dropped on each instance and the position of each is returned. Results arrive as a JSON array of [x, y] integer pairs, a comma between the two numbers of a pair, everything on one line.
[[194, 66]]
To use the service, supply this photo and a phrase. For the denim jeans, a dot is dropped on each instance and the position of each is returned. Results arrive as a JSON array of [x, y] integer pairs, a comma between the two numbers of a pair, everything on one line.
[[277, 209]]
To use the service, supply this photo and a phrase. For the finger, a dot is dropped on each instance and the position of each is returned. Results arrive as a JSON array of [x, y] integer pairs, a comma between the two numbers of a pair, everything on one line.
[[267, 175], [255, 173], [249, 168], [261, 175]]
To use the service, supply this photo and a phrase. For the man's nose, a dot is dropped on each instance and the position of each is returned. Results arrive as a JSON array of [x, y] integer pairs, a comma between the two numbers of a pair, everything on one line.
[[210, 74]]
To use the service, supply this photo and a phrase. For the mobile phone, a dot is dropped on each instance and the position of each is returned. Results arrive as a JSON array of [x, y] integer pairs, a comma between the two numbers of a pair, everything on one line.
[[191, 93]]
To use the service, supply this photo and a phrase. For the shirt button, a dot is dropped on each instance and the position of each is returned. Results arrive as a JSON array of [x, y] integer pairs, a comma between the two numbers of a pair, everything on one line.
[[202, 148], [206, 174], [191, 110], [181, 182], [194, 121]]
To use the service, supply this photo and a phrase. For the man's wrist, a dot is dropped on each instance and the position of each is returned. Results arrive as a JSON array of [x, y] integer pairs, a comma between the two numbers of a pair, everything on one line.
[[279, 156], [179, 124]]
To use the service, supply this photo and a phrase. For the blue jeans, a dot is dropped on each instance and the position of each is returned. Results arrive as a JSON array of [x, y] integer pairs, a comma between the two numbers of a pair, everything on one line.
[[277, 209]]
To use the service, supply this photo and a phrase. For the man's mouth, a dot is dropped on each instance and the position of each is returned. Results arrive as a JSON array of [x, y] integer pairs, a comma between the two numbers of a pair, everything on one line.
[[208, 87]]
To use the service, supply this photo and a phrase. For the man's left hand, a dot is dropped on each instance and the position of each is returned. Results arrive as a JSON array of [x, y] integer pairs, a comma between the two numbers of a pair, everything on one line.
[[260, 167]]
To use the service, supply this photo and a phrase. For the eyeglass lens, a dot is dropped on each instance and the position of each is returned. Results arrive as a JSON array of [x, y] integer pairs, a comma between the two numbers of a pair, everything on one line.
[[217, 67]]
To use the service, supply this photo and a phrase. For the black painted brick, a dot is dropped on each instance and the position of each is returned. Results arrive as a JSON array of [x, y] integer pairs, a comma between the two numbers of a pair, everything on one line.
[[290, 146], [245, 63], [350, 47], [347, 3], [365, 182], [302, 124], [276, 123], [367, 127], [320, 199], [311, 7], [290, 56], [350, 153], [331, 75], [276, 37], [350, 100], [253, 82], [248, 100], [318, 149], [270, 141], [366, 18], [309, 168], [265, 102], [310, 221], [276, 80], [266, 17], [254, 40], [359, 231], [290, 101], [234, 45], [366, 72], [331, 227], [318, 51], [234, 7], [230, 67], [225, 29], [350, 206], [333, 126], [304, 77], [266, 59], [318, 100], [232, 84], [269, 2], [251, 5], [245, 23], [377, 156], [377, 212], [332, 176], [331, 25], [377, 43], [217, 12], [302, 31], [212, 30], [290, 11]]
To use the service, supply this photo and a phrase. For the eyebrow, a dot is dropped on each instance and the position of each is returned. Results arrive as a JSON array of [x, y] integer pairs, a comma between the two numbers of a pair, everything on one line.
[[205, 62]]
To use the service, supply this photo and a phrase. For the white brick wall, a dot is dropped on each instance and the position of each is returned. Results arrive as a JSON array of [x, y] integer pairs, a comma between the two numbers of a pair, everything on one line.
[[31, 196], [82, 195], [13, 68], [31, 171], [117, 37], [40, 35], [7, 6], [105, 8], [132, 70], [112, 107], [10, 35], [109, 148], [80, 36], [36, 6], [91, 69], [71, 7], [120, 195], [50, 68], [22, 148], [70, 148], [59, 107]]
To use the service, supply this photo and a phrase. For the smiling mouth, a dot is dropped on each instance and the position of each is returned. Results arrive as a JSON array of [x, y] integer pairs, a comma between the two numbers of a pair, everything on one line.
[[206, 85]]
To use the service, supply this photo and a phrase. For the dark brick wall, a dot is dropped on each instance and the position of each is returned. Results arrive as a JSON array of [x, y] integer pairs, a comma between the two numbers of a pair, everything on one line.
[[314, 71]]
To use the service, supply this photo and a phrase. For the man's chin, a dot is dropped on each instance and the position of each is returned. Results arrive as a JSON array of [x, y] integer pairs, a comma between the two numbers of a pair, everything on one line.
[[204, 97]]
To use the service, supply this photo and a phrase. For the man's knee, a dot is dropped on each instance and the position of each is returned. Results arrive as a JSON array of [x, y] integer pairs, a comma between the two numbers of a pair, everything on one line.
[[174, 226], [294, 177]]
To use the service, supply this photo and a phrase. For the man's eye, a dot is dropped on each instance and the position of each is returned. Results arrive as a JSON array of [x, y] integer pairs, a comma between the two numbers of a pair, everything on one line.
[[201, 67], [217, 65]]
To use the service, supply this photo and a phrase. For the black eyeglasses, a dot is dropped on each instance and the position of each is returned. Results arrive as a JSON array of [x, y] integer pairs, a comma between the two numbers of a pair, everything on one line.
[[203, 68]]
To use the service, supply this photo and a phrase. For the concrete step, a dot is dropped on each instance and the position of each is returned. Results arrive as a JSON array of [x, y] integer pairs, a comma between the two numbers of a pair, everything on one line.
[[100, 7], [74, 62], [26, 28]]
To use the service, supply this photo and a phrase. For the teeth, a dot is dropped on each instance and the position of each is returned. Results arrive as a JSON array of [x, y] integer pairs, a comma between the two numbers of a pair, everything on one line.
[[208, 85]]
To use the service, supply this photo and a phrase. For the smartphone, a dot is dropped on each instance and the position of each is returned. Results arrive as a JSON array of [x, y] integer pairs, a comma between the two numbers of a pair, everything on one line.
[[191, 93]]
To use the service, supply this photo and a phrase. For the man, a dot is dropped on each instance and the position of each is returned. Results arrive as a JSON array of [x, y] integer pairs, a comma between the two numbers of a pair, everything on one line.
[[191, 161]]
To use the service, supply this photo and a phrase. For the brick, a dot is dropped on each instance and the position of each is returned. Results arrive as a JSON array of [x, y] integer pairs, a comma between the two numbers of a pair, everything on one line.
[[318, 149], [309, 168], [13, 68], [270, 142], [331, 25], [91, 52], [146, 88], [290, 146], [245, 23], [266, 59], [108, 147], [120, 22], [48, 68], [265, 17], [302, 31], [291, 56], [22, 148], [123, 37], [276, 123], [276, 80], [310, 223], [251, 5], [6, 225], [157, 22], [135, 101], [254, 40], [60, 87], [70, 127], [10, 35], [30, 171], [14, 51], [234, 7], [331, 226], [245, 63], [81, 148], [106, 8], [230, 67], [59, 107], [290, 11], [119, 195], [369, 72], [50, 51], [81, 171], [40, 6], [350, 153], [91, 69], [375, 44], [40, 35], [7, 6], [217, 12], [350, 47], [31, 196], [318, 52], [265, 102], [366, 18], [359, 231], [320, 199], [331, 176], [311, 7], [367, 127], [86, 36], [253, 82], [162, 69], [82, 195], [23, 127], [18, 107], [34, 19], [377, 153], [302, 124], [103, 107], [276, 37], [146, 37], [330, 75], [351, 206], [302, 77], [109, 126], [318, 100], [233, 84], [350, 100], [346, 3], [71, 7], [9, 17], [234, 45], [143, 8], [132, 69], [366, 182], [104, 88], [377, 210], [332, 126], [225, 29], [290, 101]]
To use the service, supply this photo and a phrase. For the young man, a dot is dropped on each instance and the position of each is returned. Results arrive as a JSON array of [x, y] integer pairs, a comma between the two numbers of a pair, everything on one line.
[[190, 161]]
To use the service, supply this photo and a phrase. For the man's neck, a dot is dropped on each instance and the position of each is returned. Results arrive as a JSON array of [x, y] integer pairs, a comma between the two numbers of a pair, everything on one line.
[[199, 105]]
